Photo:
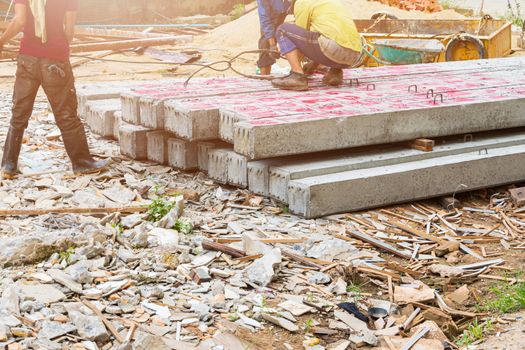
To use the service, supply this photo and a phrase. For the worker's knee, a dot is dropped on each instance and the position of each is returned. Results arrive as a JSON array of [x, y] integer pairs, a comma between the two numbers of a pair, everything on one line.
[[285, 29], [68, 121]]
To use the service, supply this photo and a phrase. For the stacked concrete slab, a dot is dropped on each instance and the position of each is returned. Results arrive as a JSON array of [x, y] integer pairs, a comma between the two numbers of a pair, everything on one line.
[[299, 147]]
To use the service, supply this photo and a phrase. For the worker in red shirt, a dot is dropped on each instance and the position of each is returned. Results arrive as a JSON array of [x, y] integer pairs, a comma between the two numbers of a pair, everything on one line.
[[48, 27]]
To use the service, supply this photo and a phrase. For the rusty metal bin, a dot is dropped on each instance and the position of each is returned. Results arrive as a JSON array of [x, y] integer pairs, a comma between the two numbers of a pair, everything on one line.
[[495, 35]]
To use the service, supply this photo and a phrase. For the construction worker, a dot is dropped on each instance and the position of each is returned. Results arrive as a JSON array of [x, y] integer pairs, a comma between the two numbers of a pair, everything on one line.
[[43, 60], [324, 32], [272, 14]]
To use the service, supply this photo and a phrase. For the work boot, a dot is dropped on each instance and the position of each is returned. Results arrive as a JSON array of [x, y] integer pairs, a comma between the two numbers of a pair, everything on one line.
[[77, 149], [310, 67], [294, 81], [334, 77], [13, 144]]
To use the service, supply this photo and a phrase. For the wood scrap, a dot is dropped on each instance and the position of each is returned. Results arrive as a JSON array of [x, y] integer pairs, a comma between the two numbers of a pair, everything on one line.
[[379, 244], [86, 211], [106, 322]]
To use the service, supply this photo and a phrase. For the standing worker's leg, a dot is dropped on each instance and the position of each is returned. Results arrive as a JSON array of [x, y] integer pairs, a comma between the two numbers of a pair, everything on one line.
[[265, 61], [268, 59], [26, 87], [59, 85]]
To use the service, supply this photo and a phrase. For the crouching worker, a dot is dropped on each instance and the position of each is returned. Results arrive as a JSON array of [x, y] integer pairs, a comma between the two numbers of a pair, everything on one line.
[[272, 14], [324, 32], [44, 61]]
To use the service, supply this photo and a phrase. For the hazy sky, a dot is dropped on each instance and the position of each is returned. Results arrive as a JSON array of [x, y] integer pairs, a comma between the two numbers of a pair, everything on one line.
[[495, 7]]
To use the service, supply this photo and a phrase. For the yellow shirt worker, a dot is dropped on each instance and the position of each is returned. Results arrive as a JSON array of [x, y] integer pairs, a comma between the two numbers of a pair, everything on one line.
[[324, 32]]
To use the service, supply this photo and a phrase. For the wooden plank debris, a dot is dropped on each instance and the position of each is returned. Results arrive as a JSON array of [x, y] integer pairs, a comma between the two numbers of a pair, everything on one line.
[[128, 44], [379, 244], [86, 211], [424, 145]]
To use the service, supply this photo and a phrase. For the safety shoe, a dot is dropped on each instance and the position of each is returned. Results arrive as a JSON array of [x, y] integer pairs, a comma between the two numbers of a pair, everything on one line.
[[294, 81], [89, 166], [334, 77], [13, 144]]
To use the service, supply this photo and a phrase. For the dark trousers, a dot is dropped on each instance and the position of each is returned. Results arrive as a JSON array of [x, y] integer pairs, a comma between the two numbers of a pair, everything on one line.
[[265, 60], [292, 37], [56, 78]]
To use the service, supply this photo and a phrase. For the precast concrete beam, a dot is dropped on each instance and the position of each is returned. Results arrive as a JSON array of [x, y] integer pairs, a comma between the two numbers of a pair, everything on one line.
[[315, 133], [386, 185], [134, 141], [218, 164], [182, 154], [100, 116], [340, 161], [203, 151], [158, 146]]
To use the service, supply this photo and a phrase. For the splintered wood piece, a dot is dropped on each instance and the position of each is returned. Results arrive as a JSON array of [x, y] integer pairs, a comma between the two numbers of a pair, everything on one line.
[[210, 245], [425, 145], [379, 244], [87, 211], [106, 322]]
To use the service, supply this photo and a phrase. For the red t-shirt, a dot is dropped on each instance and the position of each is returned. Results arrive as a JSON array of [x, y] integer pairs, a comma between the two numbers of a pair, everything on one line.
[[57, 46]]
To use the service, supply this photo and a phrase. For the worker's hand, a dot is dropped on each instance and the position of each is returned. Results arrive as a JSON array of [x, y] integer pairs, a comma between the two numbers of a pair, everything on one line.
[[1, 47], [274, 52]]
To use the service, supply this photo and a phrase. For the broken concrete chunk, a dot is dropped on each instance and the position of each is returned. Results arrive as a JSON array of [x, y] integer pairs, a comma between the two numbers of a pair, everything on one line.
[[251, 246], [446, 270], [64, 279], [43, 293], [262, 271], [51, 330], [149, 342], [295, 308], [90, 327], [459, 296], [407, 294], [319, 278], [281, 322]]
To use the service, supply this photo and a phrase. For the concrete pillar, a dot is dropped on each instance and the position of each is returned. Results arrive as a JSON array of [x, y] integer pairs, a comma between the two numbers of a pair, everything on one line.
[[218, 164], [203, 150], [191, 124], [182, 154], [158, 146], [133, 141], [386, 185], [100, 116]]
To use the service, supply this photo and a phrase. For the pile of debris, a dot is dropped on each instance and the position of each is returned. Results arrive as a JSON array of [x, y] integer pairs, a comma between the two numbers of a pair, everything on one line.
[[414, 5], [197, 266], [104, 42]]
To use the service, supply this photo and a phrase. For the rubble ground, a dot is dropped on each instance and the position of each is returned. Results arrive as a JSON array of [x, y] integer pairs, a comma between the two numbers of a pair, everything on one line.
[[188, 264], [145, 257]]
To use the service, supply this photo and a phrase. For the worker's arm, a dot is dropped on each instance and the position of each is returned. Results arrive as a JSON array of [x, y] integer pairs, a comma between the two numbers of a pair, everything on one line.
[[265, 17], [69, 25], [15, 26]]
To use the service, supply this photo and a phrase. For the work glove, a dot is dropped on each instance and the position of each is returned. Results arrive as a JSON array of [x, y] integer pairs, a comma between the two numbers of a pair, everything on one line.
[[274, 52]]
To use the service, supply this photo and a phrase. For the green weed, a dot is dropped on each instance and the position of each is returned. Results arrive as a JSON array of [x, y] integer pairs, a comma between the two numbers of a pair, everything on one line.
[[474, 332], [309, 324], [159, 207], [66, 255], [183, 227], [118, 227], [357, 290], [507, 298]]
